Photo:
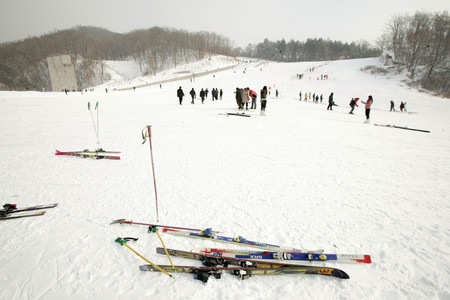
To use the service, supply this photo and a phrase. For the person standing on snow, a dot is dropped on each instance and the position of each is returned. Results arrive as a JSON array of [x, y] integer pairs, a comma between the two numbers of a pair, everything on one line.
[[392, 106], [368, 104], [180, 94], [263, 96], [193, 95], [239, 97], [253, 95], [330, 102], [202, 95], [245, 97], [352, 105]]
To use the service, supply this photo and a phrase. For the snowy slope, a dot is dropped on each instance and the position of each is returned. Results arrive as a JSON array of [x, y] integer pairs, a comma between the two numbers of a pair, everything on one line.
[[300, 176]]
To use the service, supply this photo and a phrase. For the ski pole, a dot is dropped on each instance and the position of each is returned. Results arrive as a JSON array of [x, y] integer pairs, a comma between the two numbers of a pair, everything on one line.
[[123, 221], [149, 135], [155, 229], [98, 127], [123, 242], [93, 123]]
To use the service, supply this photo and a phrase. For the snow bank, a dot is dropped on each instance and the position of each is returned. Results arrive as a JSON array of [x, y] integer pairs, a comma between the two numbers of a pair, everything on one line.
[[301, 176]]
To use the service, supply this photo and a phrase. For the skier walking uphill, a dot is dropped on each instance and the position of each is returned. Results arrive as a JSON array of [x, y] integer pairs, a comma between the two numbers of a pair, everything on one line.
[[402, 106], [263, 95], [180, 94], [193, 95], [330, 102], [368, 104], [392, 106]]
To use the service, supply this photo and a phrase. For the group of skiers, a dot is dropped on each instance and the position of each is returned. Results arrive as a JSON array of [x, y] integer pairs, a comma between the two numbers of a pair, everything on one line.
[[315, 98], [215, 93], [368, 105], [243, 96], [402, 106], [353, 103]]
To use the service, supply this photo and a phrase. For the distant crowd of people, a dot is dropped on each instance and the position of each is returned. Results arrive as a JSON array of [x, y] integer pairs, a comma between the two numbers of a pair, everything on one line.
[[246, 96], [216, 95]]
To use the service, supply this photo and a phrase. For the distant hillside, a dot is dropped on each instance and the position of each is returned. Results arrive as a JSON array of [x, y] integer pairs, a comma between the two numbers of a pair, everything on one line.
[[23, 63]]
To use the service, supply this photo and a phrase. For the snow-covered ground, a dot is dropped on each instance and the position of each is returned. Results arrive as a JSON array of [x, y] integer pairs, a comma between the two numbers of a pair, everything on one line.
[[300, 176]]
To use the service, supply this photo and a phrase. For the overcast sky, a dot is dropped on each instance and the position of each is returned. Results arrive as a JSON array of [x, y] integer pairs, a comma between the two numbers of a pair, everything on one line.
[[242, 21]]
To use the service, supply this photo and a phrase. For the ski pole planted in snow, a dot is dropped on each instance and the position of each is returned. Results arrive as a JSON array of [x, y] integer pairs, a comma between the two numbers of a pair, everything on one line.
[[124, 241], [92, 117], [146, 132], [98, 126]]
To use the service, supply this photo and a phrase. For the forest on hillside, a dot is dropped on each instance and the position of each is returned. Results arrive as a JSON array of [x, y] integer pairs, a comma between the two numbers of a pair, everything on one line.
[[310, 50], [419, 43], [23, 64]]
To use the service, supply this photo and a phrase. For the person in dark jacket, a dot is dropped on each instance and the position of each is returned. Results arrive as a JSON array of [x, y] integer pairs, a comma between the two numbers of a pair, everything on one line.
[[180, 94], [330, 102], [263, 95], [202, 95], [193, 95], [392, 106], [353, 104], [239, 98]]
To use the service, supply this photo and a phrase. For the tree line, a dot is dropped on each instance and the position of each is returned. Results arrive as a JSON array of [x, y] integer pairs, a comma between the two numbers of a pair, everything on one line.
[[310, 50], [23, 64], [421, 43]]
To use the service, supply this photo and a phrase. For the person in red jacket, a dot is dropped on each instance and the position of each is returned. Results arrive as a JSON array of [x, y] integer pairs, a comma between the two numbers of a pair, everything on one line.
[[368, 104], [253, 95]]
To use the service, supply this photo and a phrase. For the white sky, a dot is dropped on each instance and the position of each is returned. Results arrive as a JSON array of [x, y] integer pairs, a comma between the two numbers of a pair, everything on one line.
[[243, 22]]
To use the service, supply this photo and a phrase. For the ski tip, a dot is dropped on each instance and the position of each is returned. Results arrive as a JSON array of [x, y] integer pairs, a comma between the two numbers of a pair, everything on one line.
[[367, 259], [120, 221], [143, 268], [58, 152], [340, 274]]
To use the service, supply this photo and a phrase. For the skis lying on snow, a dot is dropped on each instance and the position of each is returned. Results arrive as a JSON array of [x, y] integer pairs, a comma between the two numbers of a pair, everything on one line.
[[210, 235], [123, 221], [238, 114], [214, 265], [100, 150], [7, 217], [94, 155], [293, 256], [203, 273], [11, 208], [401, 127]]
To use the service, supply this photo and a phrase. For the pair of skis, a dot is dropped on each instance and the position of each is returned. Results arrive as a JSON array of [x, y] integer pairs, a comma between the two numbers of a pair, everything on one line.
[[208, 234], [272, 251], [243, 268], [8, 209], [95, 154], [245, 263], [268, 252]]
